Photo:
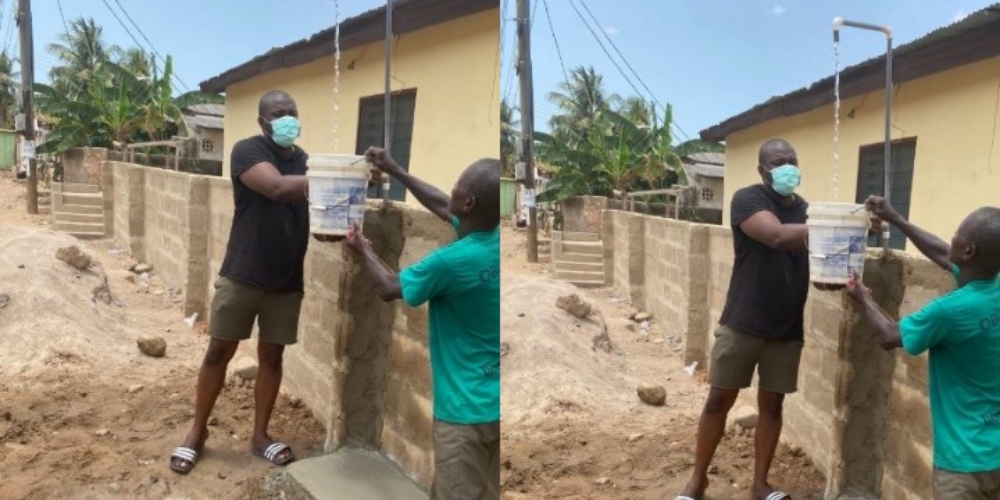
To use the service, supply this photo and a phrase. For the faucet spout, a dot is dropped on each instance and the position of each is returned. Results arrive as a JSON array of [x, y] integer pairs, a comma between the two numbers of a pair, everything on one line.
[[839, 22]]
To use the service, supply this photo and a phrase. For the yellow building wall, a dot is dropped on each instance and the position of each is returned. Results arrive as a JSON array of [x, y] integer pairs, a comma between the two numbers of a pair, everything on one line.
[[952, 115], [453, 67]]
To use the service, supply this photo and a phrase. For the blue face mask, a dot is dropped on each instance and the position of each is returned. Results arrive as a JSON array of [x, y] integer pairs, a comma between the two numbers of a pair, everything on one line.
[[285, 130], [785, 179]]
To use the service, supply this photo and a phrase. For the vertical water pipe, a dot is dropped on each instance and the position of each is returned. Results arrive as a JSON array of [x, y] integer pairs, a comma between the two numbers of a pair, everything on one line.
[[386, 184], [839, 22]]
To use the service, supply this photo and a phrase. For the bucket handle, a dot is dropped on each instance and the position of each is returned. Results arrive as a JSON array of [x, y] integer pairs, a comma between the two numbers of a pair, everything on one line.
[[341, 203], [845, 250]]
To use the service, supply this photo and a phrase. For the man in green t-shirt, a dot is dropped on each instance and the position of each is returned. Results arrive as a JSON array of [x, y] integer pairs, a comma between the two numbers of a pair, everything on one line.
[[961, 331], [461, 282]]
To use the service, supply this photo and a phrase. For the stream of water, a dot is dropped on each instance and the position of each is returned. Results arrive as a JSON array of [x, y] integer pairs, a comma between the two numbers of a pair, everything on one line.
[[336, 76], [836, 120]]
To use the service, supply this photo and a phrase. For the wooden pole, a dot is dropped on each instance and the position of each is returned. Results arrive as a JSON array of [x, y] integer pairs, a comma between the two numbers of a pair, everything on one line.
[[527, 120], [28, 93]]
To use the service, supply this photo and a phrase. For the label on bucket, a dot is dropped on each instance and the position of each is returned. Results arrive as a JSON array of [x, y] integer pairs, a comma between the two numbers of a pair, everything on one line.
[[835, 253], [336, 205]]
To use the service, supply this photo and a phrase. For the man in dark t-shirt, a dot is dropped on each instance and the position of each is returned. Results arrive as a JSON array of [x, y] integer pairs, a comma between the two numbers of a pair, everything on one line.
[[261, 277], [761, 325]]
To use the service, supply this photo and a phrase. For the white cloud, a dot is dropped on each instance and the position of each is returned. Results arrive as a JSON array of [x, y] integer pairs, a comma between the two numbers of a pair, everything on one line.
[[611, 31], [779, 10], [961, 14]]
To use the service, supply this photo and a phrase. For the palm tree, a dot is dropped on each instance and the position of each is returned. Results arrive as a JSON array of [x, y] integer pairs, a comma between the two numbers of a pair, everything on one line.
[[638, 110], [508, 136], [580, 99], [8, 90], [81, 50], [137, 61]]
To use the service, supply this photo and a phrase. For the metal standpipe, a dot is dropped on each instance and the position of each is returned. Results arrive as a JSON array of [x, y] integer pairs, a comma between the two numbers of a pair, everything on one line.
[[386, 185], [838, 23]]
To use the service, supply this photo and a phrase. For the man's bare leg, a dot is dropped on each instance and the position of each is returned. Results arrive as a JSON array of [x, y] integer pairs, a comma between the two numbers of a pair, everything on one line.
[[769, 406], [211, 379], [266, 393], [711, 428]]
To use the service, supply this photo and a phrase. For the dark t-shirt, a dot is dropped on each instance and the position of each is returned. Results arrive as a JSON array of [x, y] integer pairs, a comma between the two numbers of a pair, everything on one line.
[[268, 240], [768, 289]]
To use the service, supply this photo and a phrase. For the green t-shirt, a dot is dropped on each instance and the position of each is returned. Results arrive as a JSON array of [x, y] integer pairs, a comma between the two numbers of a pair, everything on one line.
[[962, 332], [462, 283]]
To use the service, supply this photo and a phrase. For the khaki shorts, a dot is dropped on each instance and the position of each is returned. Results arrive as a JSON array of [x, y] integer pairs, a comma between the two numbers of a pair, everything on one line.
[[236, 305], [973, 486], [736, 354], [466, 461]]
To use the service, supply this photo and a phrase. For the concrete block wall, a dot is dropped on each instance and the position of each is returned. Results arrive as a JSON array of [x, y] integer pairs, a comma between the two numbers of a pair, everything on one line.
[[675, 267], [861, 414], [129, 207], [176, 238], [84, 165], [907, 473], [315, 369], [584, 214], [360, 365], [629, 256], [409, 413], [108, 193], [608, 240], [221, 208], [720, 269]]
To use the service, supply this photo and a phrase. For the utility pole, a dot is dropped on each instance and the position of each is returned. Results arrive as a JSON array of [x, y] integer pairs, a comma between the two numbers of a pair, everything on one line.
[[28, 94], [527, 122]]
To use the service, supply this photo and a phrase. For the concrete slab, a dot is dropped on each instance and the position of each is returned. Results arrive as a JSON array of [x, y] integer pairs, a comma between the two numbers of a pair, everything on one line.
[[350, 475]]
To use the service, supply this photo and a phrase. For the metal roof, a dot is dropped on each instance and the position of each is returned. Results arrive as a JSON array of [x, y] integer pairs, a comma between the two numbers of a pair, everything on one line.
[[708, 158], [204, 121], [357, 31], [207, 109], [975, 38], [706, 170]]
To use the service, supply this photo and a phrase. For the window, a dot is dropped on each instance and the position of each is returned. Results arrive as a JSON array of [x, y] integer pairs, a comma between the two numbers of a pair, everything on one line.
[[207, 146], [871, 170], [707, 194], [371, 132]]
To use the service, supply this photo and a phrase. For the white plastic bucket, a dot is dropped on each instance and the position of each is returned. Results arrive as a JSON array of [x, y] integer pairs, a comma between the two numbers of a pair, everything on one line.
[[338, 187], [838, 241]]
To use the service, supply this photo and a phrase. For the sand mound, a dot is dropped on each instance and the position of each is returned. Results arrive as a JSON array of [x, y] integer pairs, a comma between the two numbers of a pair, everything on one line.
[[551, 365], [51, 314]]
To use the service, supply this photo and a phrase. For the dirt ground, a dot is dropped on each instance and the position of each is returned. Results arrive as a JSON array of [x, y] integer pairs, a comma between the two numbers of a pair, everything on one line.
[[573, 426], [84, 414]]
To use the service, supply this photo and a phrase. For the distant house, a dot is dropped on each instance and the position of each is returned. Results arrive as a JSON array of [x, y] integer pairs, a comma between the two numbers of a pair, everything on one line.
[[445, 88], [706, 173], [206, 124], [945, 140]]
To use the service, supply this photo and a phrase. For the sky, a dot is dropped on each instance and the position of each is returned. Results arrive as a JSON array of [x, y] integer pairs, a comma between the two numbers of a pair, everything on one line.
[[711, 59], [205, 37]]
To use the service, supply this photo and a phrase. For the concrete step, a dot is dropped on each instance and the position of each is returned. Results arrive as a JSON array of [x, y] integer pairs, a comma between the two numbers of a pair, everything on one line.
[[349, 475], [81, 209], [587, 258], [586, 283], [80, 227], [69, 187], [584, 247], [577, 236], [582, 276], [87, 199], [86, 235], [588, 267], [86, 218]]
